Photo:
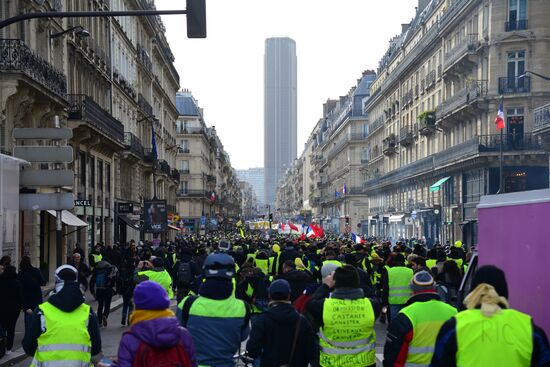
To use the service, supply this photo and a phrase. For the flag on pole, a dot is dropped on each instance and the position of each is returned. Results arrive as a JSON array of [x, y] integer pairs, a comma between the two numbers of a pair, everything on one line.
[[292, 226], [357, 239], [499, 120], [345, 190], [153, 144]]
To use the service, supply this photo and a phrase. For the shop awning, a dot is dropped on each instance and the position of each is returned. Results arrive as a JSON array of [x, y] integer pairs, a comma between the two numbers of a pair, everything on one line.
[[69, 218], [437, 186], [396, 218], [174, 227], [129, 222]]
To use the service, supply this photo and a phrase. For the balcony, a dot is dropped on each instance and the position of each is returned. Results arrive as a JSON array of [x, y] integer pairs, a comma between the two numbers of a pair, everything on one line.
[[192, 193], [430, 79], [16, 56], [183, 150], [463, 98], [211, 179], [377, 123], [426, 123], [406, 137], [542, 118], [390, 145], [133, 145], [518, 25], [455, 8], [83, 108], [459, 53], [164, 167], [184, 171], [144, 58], [511, 143], [148, 156], [175, 175], [145, 106], [514, 85]]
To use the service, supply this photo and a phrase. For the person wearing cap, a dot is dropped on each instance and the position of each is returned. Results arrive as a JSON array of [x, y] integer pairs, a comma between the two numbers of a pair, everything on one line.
[[399, 277], [158, 274], [489, 332], [63, 320], [412, 333], [218, 321], [273, 336], [153, 324], [346, 316], [298, 279]]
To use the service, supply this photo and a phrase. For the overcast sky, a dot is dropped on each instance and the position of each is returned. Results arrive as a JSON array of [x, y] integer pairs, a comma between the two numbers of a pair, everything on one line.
[[335, 40]]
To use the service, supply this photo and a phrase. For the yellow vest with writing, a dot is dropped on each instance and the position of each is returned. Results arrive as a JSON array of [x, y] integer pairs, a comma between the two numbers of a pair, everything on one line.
[[505, 339], [65, 339], [347, 337]]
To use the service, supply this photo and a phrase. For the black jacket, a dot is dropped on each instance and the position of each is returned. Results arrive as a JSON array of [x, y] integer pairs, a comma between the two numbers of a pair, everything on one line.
[[288, 253], [11, 295], [273, 333], [31, 282], [67, 300], [298, 280]]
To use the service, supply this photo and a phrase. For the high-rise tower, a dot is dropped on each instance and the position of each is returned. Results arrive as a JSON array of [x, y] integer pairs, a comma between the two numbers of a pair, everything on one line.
[[280, 111]]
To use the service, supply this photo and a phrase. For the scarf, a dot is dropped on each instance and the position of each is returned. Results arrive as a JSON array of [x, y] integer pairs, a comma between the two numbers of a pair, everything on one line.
[[144, 315], [487, 299]]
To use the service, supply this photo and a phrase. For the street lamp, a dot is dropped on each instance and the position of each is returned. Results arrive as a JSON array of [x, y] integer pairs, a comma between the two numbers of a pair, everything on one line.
[[79, 31], [536, 74]]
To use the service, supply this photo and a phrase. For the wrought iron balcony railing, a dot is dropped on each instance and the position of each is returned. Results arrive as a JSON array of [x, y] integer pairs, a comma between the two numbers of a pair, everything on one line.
[[175, 174], [517, 25], [164, 167], [542, 118], [144, 58], [514, 85], [406, 136], [16, 56], [133, 144], [471, 93], [192, 193], [82, 107], [466, 46], [144, 105]]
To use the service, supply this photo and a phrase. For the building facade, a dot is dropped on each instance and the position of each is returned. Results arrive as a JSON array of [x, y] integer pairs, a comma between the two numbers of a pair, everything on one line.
[[254, 176], [280, 111], [208, 195], [433, 145]]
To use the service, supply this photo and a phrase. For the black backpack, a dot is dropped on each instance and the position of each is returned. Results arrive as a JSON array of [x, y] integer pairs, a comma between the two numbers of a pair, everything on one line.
[[185, 276]]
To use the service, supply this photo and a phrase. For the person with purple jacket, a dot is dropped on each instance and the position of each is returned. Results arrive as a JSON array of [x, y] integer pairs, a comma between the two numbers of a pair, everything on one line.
[[153, 323]]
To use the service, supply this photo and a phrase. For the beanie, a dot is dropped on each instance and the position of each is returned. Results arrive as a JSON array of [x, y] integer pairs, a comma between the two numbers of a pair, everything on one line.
[[280, 286], [149, 295], [491, 275], [327, 269], [422, 282]]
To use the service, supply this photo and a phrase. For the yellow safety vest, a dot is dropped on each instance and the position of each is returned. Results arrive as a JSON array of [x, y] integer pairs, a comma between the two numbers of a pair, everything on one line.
[[65, 341], [430, 263], [335, 262], [426, 319], [347, 337], [160, 277], [505, 339], [249, 292], [97, 258], [399, 278], [263, 264]]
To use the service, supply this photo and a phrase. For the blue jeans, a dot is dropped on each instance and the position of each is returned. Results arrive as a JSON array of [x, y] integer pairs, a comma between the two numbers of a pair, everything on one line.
[[394, 310]]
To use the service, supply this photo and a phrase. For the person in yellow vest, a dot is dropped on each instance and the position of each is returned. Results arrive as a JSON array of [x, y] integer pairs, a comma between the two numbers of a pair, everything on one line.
[[95, 256], [489, 332], [399, 277], [411, 335], [347, 336], [274, 259], [63, 331], [157, 274]]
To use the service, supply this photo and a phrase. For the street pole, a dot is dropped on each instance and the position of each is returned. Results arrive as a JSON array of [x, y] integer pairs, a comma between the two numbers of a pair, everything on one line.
[[501, 183]]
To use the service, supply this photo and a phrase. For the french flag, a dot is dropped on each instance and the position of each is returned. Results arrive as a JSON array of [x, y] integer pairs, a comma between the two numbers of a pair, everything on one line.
[[293, 227], [357, 239], [499, 120]]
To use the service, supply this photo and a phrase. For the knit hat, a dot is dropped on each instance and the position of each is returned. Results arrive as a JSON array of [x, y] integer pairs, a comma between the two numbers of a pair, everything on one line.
[[280, 286], [149, 295], [491, 275], [327, 269], [422, 282]]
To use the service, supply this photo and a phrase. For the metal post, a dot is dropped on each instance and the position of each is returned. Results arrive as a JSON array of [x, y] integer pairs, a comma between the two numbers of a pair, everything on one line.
[[501, 183], [58, 239]]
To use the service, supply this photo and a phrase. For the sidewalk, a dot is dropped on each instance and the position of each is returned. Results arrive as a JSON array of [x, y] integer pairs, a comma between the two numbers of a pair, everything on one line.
[[18, 354]]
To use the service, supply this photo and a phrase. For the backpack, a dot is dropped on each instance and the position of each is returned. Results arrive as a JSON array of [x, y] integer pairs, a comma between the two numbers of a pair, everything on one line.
[[448, 294], [148, 356], [184, 274], [101, 279]]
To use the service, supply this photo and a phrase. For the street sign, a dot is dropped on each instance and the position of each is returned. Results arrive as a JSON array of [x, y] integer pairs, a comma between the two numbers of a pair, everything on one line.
[[30, 178], [55, 201], [82, 203], [45, 154], [42, 133], [125, 208]]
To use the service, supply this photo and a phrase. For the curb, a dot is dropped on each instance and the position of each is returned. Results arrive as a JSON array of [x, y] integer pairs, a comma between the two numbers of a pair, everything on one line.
[[19, 355]]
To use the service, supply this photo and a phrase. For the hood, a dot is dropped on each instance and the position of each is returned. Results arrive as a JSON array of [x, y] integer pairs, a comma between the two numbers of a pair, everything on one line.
[[68, 298], [162, 332], [282, 313], [296, 276]]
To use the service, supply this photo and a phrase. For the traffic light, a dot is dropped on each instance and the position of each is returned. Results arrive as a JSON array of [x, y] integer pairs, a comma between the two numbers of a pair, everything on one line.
[[270, 217], [196, 19]]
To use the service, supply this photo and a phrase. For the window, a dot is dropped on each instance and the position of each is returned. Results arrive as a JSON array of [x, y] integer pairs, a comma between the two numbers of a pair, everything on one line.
[[107, 177], [100, 175], [184, 146], [83, 168], [91, 164], [183, 187], [516, 64], [185, 166]]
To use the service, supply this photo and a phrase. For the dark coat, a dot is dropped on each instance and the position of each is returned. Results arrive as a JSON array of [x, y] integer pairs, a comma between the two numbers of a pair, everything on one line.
[[31, 282], [272, 336], [11, 295], [298, 280]]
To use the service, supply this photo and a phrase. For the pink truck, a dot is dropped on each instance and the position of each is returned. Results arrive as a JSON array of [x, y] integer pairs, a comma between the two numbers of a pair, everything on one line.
[[514, 234]]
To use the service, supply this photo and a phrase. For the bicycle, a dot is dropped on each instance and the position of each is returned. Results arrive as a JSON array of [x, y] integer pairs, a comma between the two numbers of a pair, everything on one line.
[[243, 360]]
